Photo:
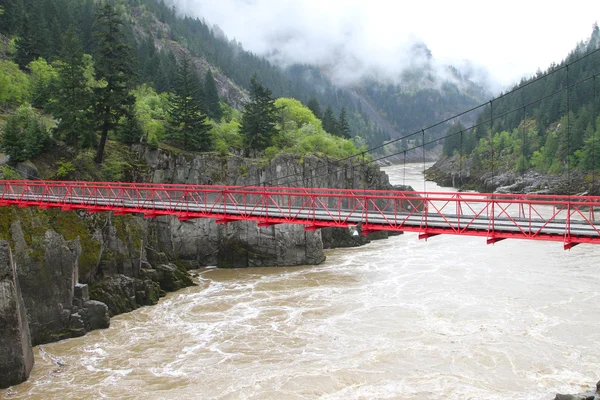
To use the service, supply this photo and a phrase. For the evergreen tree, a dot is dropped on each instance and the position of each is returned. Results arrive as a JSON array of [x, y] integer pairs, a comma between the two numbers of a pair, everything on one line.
[[259, 117], [11, 18], [26, 46], [329, 121], [187, 123], [130, 130], [343, 128], [85, 26], [24, 136], [313, 105], [211, 96], [72, 94], [114, 66], [453, 142], [12, 141]]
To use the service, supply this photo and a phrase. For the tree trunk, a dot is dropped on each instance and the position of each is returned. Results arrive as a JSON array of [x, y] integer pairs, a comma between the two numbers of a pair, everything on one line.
[[105, 127]]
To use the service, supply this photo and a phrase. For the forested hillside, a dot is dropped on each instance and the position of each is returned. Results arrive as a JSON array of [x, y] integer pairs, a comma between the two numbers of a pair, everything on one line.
[[136, 70], [548, 123]]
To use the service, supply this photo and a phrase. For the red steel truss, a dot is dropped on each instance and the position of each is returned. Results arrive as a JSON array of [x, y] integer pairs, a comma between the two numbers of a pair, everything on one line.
[[567, 219]]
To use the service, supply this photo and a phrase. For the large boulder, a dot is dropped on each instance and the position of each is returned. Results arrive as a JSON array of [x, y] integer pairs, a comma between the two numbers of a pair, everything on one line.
[[122, 294], [16, 356]]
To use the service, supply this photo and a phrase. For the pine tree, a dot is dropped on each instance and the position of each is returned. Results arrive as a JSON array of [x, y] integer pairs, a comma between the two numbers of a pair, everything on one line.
[[27, 48], [329, 121], [130, 130], [113, 65], [211, 96], [259, 117], [12, 141], [343, 128], [313, 105], [11, 19], [72, 95], [24, 136], [187, 123]]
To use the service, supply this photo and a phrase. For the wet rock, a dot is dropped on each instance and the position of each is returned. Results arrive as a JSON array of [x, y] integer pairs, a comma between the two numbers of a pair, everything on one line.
[[76, 325], [172, 278], [117, 292], [16, 356], [122, 294], [588, 395], [81, 294], [47, 275], [96, 315]]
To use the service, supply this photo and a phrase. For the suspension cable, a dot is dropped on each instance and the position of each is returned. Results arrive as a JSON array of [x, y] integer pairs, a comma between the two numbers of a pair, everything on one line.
[[423, 142], [568, 135], [492, 138], [404, 170], [595, 117], [459, 114], [460, 154], [523, 138], [477, 125]]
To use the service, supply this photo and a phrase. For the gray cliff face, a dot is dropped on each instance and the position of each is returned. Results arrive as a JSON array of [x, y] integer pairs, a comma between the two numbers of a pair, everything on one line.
[[243, 244], [16, 356], [48, 305], [467, 173], [129, 261]]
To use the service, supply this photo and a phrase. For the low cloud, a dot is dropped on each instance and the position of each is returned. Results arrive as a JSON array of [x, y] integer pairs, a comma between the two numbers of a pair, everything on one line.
[[354, 39]]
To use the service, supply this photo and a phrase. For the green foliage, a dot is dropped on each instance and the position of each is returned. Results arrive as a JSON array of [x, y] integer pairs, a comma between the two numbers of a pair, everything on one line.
[[454, 139], [114, 67], [43, 81], [259, 117], [314, 106], [343, 128], [14, 85], [65, 169], [24, 136], [187, 124], [211, 97], [151, 109], [9, 173], [73, 94], [329, 121], [226, 137], [114, 169], [556, 133], [301, 132], [130, 129]]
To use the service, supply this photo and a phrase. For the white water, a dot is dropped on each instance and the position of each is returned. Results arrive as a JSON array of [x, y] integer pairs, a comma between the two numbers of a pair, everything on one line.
[[398, 319]]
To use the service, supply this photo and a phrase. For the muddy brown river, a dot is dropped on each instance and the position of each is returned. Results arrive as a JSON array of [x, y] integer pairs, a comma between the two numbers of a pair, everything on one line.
[[450, 318]]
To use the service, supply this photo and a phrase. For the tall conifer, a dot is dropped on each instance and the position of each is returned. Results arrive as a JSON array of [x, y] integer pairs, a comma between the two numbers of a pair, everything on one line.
[[113, 66], [187, 122]]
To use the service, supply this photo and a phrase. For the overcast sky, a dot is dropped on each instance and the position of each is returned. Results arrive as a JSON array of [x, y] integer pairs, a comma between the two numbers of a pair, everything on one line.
[[509, 38]]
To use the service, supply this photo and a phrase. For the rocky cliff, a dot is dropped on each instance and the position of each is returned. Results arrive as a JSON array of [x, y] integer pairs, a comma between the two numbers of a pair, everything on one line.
[[76, 269], [16, 357], [468, 174]]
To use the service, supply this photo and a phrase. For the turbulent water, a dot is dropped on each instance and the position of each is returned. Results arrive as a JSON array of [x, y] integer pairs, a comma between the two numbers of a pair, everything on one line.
[[450, 318]]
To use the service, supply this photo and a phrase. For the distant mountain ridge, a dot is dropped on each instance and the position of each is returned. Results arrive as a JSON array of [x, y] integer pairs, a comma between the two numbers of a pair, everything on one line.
[[419, 97]]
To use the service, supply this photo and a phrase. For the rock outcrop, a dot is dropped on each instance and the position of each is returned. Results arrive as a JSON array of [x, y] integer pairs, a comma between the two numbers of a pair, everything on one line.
[[469, 174], [129, 261], [16, 356], [243, 244]]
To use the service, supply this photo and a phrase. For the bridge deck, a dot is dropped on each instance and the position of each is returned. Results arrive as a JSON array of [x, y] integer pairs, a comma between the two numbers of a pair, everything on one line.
[[568, 219]]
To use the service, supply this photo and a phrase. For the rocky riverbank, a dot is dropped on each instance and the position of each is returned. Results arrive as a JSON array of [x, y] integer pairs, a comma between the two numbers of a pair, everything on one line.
[[588, 395], [75, 270], [453, 171]]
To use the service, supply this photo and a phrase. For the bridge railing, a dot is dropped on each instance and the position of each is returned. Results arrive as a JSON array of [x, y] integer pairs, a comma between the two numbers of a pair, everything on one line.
[[495, 216]]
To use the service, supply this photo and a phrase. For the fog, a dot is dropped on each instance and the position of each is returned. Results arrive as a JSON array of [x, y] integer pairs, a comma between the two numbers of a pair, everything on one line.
[[496, 43]]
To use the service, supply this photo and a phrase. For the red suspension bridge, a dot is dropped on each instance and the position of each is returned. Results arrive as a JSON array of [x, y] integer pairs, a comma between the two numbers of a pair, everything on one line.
[[566, 219]]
